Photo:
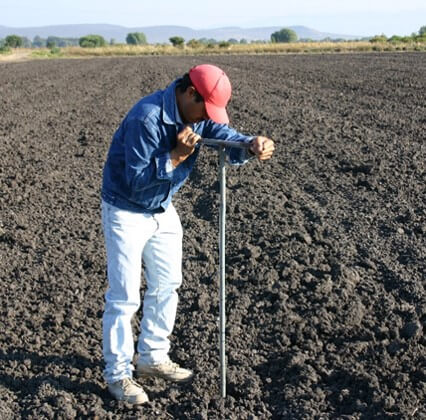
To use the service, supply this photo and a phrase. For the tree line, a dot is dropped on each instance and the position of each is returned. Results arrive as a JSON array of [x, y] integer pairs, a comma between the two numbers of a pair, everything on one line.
[[284, 35]]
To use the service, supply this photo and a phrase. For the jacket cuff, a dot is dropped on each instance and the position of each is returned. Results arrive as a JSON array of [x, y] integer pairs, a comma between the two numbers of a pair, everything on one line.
[[240, 156]]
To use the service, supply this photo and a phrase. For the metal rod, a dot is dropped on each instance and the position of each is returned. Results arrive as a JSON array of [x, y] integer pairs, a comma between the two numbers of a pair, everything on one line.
[[222, 145], [225, 143], [222, 226]]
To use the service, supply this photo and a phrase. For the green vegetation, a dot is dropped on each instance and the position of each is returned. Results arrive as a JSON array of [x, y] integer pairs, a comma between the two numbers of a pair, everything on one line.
[[194, 43], [419, 37], [14, 41], [61, 42], [50, 44], [136, 38], [53, 52], [224, 44], [95, 45], [379, 38], [92, 41], [252, 48], [397, 38], [284, 35], [39, 42], [4, 49], [177, 41]]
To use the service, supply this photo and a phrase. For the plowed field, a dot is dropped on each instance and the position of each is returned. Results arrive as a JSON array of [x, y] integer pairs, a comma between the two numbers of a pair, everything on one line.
[[326, 252]]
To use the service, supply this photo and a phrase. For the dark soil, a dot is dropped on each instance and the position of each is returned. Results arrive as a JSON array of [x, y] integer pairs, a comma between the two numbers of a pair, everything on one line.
[[326, 252]]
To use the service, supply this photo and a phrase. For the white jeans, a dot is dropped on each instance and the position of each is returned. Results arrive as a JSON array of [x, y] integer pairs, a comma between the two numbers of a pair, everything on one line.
[[130, 238]]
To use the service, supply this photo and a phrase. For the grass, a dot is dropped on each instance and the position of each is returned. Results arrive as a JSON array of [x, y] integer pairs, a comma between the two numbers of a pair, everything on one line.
[[5, 50], [54, 52], [255, 48]]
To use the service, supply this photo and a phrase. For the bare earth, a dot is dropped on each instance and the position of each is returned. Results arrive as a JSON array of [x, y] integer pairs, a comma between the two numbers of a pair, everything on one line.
[[326, 252], [16, 55]]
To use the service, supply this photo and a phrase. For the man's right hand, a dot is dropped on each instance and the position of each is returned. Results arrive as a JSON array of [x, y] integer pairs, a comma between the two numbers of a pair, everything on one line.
[[185, 145]]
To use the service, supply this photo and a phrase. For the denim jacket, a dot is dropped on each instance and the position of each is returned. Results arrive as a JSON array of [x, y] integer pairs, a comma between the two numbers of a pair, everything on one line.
[[138, 173]]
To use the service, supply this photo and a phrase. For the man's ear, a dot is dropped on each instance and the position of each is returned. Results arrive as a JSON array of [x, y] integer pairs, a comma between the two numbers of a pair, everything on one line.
[[191, 91]]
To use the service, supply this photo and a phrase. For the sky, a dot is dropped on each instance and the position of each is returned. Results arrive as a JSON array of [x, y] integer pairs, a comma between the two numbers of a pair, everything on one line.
[[350, 17]]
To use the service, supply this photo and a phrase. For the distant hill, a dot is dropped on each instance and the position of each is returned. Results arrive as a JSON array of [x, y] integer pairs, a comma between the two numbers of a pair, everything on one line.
[[160, 34]]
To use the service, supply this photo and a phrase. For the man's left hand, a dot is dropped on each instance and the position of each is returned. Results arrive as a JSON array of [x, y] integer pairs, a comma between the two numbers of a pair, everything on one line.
[[262, 147]]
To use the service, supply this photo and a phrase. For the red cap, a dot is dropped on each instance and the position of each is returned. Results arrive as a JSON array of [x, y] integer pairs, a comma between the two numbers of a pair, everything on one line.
[[214, 86]]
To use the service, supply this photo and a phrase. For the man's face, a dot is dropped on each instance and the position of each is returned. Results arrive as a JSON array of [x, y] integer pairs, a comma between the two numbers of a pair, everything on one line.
[[192, 111]]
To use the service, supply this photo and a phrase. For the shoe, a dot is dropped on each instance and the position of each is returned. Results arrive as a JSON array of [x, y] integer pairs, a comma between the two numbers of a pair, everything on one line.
[[167, 370], [128, 390]]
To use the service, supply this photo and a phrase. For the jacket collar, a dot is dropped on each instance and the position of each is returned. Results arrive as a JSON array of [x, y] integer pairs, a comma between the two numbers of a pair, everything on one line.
[[169, 105]]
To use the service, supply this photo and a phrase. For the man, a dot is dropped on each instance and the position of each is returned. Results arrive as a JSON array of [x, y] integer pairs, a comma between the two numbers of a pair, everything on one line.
[[151, 155]]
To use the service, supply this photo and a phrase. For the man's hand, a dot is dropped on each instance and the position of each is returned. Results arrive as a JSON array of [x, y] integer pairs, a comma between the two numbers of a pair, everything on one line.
[[262, 148], [185, 146]]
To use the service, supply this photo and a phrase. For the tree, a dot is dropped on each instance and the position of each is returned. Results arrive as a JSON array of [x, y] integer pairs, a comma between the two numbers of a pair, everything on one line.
[[50, 43], [26, 42], [193, 43], [421, 36], [3, 48], [177, 41], [422, 30], [284, 35], [92, 41], [38, 42], [379, 38], [13, 41], [53, 41], [395, 38], [136, 38]]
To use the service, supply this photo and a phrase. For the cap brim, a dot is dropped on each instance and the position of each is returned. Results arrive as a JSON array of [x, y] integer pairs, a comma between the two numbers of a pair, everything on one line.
[[217, 114]]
